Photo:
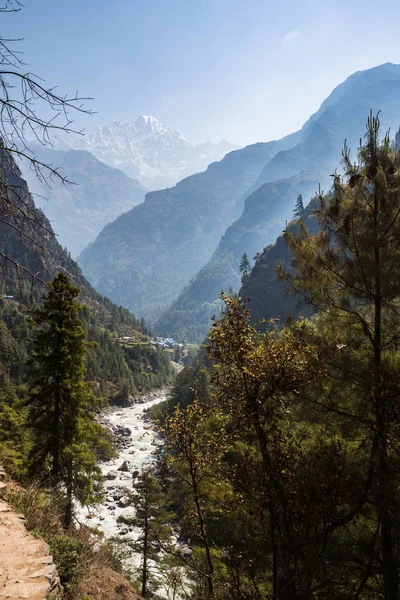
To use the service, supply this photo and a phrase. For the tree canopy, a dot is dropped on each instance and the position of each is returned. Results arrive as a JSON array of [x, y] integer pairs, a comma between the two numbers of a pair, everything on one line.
[[64, 434]]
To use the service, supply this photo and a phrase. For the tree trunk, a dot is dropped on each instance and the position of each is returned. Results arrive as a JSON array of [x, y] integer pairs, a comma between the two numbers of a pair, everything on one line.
[[55, 469]]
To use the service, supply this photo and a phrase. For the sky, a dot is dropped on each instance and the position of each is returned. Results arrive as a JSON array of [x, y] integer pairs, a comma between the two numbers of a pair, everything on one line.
[[239, 70]]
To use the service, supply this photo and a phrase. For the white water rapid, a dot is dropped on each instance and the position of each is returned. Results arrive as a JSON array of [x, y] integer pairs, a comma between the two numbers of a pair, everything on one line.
[[139, 454]]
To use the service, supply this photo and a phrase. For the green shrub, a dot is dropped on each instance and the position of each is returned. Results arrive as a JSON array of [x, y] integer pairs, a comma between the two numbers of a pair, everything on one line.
[[67, 554]]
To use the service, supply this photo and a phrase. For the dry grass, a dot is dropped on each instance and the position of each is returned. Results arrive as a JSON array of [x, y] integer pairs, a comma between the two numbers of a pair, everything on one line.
[[42, 508], [101, 582]]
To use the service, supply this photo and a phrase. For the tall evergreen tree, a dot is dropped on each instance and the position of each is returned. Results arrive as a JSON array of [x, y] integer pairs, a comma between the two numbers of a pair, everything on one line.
[[351, 272], [60, 403], [245, 267], [298, 211], [152, 519]]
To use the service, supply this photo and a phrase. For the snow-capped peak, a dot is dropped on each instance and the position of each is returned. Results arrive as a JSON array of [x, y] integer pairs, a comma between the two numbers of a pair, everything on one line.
[[147, 150]]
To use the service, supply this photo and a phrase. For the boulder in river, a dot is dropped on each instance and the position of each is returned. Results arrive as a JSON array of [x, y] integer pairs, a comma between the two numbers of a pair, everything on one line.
[[135, 474], [125, 467], [186, 551], [124, 501], [117, 495], [112, 474], [124, 431]]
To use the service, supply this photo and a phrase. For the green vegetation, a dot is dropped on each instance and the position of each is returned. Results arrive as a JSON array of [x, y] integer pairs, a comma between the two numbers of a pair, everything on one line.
[[245, 267], [298, 210], [60, 403], [283, 457], [152, 519], [67, 554]]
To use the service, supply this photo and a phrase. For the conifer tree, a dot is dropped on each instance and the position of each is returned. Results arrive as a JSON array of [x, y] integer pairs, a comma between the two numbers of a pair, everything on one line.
[[60, 403], [298, 211], [350, 270], [152, 519], [245, 267]]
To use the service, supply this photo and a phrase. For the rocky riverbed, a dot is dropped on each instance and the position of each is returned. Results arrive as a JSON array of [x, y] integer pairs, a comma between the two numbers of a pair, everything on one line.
[[136, 442]]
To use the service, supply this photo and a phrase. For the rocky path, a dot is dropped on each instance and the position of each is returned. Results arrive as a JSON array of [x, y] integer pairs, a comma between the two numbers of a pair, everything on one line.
[[26, 567]]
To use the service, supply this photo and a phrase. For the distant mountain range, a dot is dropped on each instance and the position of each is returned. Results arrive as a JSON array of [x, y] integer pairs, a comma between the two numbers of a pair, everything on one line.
[[146, 256], [183, 245], [146, 150]]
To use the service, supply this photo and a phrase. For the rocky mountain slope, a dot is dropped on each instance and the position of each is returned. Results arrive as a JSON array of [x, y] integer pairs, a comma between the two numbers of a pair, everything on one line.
[[324, 134], [157, 155], [299, 170], [98, 195], [263, 219]]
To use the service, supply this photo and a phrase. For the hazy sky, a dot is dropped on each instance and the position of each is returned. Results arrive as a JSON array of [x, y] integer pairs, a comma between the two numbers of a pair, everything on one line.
[[241, 70]]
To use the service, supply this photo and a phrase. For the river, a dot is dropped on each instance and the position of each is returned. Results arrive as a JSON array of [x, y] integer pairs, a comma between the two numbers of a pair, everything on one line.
[[139, 454]]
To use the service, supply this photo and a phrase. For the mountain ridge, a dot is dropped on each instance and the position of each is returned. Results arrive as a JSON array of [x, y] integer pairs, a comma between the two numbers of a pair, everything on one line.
[[97, 195], [183, 225], [147, 150], [316, 155], [146, 254]]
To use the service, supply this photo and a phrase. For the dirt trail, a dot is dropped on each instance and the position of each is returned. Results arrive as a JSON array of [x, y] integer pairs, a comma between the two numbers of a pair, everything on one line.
[[26, 567]]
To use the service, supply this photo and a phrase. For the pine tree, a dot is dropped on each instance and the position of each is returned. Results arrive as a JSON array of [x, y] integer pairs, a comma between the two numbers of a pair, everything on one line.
[[298, 211], [245, 267], [60, 403], [152, 519], [351, 272]]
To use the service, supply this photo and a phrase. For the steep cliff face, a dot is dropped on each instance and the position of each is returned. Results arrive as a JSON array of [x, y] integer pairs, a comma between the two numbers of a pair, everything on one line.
[[341, 116]]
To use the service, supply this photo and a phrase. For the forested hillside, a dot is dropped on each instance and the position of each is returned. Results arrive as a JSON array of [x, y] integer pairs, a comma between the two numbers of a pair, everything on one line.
[[38, 253], [264, 216], [289, 434]]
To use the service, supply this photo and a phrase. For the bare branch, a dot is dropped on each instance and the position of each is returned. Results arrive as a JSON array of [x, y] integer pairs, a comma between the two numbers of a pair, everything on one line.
[[29, 110]]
